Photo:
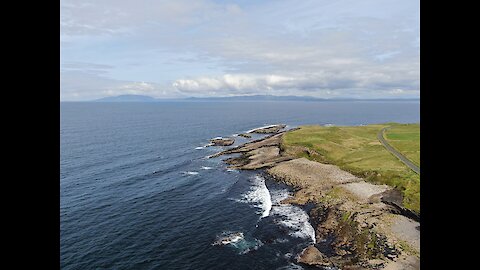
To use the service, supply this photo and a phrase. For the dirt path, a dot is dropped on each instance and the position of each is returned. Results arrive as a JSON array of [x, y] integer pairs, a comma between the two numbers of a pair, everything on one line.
[[399, 155]]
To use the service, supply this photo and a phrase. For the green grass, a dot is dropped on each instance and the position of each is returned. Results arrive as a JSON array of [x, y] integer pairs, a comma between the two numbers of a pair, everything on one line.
[[406, 139], [357, 150]]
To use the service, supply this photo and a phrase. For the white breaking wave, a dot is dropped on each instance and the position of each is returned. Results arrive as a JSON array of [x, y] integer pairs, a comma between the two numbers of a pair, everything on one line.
[[294, 217], [291, 266], [259, 196], [206, 168], [238, 241], [228, 238], [190, 173], [205, 146]]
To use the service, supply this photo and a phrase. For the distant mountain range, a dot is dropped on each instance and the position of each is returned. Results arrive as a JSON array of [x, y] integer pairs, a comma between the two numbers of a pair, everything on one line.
[[142, 98], [127, 98], [255, 98]]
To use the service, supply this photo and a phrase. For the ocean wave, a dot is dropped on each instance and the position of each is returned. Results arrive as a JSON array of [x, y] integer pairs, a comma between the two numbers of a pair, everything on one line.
[[293, 217], [226, 238], [259, 195], [205, 146], [206, 168], [247, 246], [291, 266], [190, 173], [238, 241]]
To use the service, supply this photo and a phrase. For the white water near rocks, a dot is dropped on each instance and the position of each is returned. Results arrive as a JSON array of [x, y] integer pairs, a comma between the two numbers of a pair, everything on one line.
[[269, 203], [259, 196], [293, 217]]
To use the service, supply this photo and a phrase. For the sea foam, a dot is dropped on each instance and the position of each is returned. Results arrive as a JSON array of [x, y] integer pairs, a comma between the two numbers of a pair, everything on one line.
[[293, 217], [259, 195], [238, 241]]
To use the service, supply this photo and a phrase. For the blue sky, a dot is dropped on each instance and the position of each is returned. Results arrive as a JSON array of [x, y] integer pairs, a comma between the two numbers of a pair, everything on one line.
[[170, 49]]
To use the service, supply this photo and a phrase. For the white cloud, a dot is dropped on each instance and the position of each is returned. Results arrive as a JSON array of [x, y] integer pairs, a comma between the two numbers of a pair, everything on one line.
[[205, 47], [318, 84]]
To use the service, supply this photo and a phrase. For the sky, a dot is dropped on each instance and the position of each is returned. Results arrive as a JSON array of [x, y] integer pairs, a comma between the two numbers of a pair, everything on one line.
[[204, 48]]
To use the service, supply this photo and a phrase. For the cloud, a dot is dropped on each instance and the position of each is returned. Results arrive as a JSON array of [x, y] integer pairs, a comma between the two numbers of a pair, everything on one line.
[[205, 47], [318, 84]]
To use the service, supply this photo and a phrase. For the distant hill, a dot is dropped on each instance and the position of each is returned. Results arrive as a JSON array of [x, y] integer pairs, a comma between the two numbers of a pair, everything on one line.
[[127, 98], [287, 98], [256, 98], [142, 98]]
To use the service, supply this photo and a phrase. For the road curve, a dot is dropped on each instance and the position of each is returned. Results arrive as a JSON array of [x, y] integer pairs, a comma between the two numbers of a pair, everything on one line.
[[392, 150]]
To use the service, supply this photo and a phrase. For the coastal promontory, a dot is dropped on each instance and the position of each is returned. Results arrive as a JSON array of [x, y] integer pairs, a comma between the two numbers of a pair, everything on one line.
[[366, 201]]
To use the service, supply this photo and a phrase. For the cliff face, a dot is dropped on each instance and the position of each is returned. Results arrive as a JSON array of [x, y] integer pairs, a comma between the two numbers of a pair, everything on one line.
[[356, 226]]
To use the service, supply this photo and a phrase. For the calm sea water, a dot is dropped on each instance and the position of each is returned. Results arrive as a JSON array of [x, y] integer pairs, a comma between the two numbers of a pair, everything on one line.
[[136, 191]]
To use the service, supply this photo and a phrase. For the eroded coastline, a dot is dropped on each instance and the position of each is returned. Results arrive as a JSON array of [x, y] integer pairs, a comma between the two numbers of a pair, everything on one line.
[[357, 224]]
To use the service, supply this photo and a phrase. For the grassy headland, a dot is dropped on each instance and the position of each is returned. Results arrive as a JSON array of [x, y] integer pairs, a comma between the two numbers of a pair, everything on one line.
[[356, 149]]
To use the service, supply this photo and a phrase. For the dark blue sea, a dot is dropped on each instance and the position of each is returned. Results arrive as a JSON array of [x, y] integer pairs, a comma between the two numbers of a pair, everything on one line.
[[137, 191]]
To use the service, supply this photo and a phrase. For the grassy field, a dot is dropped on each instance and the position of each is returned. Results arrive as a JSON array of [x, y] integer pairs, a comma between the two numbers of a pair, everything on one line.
[[406, 139], [357, 150]]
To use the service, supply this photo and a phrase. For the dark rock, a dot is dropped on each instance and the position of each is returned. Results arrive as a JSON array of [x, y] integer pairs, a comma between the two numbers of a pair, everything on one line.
[[245, 135], [222, 141], [394, 198]]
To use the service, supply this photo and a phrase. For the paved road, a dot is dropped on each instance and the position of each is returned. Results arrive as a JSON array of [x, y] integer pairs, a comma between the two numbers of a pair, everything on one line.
[[392, 150]]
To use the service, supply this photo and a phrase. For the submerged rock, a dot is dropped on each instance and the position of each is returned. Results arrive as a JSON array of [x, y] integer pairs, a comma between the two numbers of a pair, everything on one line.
[[222, 141]]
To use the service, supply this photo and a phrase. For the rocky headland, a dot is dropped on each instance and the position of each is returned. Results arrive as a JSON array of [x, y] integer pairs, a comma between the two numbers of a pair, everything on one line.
[[358, 225]]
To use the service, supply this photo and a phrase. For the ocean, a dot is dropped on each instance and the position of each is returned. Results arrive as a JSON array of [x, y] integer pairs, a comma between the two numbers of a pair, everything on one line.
[[137, 191]]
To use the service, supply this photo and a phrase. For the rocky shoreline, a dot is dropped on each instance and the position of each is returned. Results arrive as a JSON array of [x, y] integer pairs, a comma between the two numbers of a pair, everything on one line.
[[358, 225]]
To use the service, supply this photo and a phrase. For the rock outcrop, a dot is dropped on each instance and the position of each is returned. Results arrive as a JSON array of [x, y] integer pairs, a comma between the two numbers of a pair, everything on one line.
[[222, 141], [312, 256], [268, 129], [245, 135]]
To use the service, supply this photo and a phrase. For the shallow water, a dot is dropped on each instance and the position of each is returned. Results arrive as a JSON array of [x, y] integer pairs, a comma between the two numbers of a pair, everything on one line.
[[136, 191]]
